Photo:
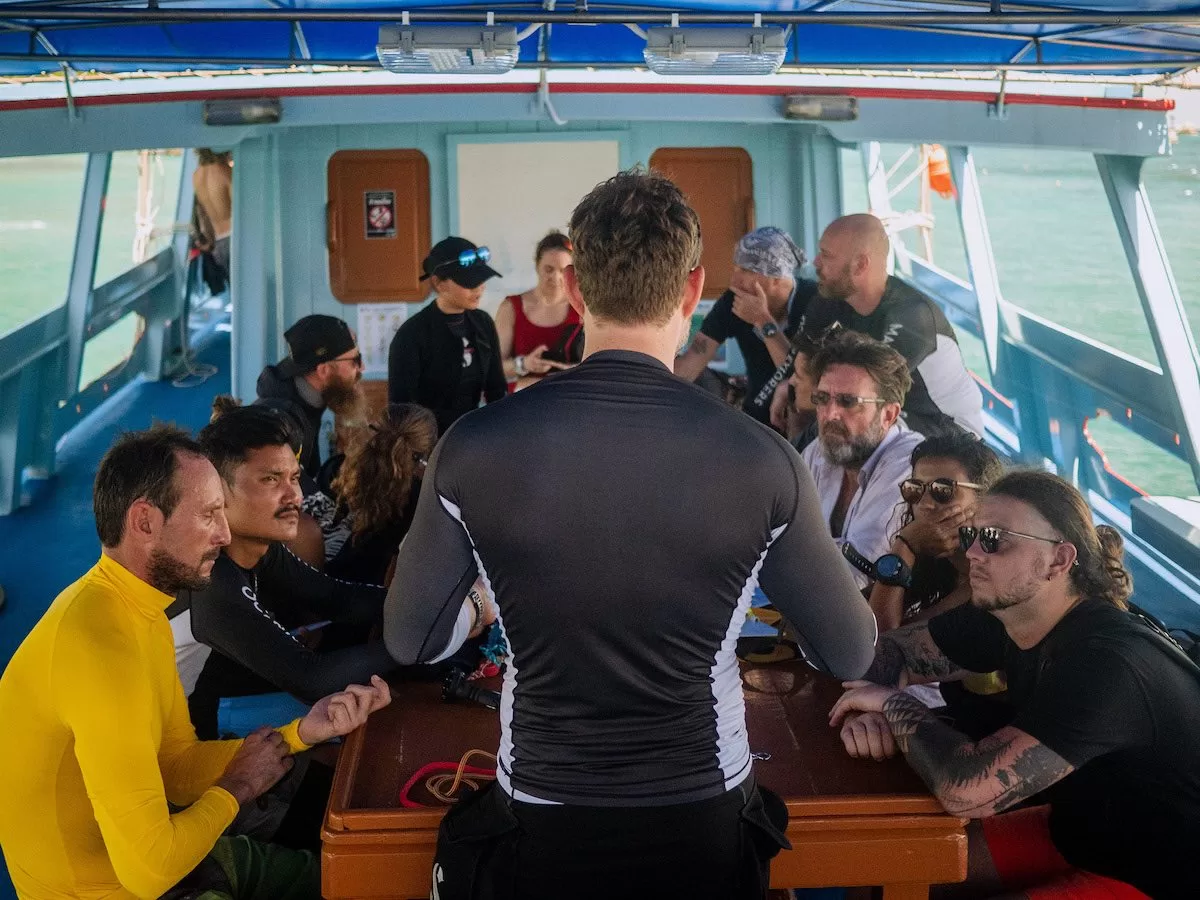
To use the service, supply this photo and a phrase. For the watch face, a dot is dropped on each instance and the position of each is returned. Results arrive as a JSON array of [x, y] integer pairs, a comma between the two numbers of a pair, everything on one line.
[[889, 565]]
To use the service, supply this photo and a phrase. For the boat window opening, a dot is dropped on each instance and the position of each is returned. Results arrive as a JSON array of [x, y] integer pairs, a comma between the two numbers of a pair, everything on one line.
[[924, 213], [1139, 461], [39, 212], [854, 181], [1057, 249], [139, 211], [110, 348], [1173, 185]]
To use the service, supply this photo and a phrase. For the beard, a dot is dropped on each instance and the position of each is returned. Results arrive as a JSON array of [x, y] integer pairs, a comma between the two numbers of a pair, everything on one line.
[[842, 449], [171, 575], [835, 288], [982, 597], [346, 399]]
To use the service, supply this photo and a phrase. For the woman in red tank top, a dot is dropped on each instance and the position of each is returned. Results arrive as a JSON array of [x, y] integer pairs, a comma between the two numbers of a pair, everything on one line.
[[539, 331]]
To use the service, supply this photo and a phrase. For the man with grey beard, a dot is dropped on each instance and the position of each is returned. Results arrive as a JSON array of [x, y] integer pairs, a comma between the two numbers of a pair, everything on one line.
[[864, 449]]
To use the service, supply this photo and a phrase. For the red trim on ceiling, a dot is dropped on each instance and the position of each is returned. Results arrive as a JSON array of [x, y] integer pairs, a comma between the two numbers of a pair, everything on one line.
[[1164, 105]]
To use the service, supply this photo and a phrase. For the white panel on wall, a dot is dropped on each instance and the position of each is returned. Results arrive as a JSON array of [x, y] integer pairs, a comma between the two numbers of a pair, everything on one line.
[[510, 193]]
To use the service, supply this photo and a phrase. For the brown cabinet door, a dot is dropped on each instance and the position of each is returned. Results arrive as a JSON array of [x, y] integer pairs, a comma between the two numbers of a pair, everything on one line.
[[378, 225], [719, 184]]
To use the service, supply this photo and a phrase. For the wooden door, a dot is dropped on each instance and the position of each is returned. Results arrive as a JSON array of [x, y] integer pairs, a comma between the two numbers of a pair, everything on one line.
[[378, 226], [719, 184]]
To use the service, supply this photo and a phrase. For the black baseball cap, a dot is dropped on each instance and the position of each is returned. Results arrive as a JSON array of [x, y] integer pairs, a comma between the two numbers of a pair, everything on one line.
[[314, 340], [444, 262]]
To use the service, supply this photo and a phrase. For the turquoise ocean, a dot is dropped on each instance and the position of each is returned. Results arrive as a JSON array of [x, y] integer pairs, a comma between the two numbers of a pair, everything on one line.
[[1057, 249]]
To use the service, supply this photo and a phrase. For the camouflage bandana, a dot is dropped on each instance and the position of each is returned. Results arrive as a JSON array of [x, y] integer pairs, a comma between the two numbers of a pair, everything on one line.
[[769, 251]]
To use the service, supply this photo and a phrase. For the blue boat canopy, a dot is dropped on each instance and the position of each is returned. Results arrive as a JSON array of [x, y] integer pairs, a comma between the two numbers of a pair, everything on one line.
[[1105, 36]]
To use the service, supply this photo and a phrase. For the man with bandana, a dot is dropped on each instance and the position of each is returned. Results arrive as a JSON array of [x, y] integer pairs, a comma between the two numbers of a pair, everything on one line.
[[759, 311]]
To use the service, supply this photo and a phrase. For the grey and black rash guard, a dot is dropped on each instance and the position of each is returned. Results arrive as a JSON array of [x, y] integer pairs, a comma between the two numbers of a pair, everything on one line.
[[621, 518]]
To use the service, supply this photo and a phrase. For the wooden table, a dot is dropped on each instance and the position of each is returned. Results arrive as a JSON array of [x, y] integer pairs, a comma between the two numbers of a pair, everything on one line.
[[852, 822]]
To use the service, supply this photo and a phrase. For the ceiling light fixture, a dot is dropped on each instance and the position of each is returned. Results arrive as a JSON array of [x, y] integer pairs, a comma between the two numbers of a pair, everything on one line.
[[715, 51], [448, 49]]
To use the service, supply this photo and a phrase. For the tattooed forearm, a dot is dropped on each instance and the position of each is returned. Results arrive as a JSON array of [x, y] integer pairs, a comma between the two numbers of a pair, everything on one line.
[[909, 649], [888, 663], [971, 779]]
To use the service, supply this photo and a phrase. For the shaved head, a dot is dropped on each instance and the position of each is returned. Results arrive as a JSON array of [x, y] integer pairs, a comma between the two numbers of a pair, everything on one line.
[[864, 234], [852, 261]]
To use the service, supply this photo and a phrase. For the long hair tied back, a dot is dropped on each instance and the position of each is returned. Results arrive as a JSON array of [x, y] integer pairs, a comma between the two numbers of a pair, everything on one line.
[[1100, 567], [377, 477]]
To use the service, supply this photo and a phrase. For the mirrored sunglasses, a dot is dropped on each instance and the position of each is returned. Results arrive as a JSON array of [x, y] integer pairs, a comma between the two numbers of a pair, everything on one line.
[[940, 489], [989, 537], [845, 401]]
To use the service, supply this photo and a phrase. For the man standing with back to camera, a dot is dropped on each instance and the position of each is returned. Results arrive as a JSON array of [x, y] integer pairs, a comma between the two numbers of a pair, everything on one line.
[[624, 768]]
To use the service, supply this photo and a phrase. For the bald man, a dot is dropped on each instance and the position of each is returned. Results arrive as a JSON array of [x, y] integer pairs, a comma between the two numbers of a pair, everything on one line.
[[856, 292]]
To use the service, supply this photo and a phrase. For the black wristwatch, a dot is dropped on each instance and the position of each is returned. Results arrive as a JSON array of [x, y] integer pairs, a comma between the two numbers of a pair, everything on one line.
[[857, 560], [891, 570], [769, 330]]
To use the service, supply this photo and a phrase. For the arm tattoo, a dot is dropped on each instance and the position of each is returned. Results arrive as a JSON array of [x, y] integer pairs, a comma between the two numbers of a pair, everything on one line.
[[909, 649], [971, 779]]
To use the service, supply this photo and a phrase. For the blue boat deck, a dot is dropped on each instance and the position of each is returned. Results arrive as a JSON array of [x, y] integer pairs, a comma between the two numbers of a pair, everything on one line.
[[47, 545]]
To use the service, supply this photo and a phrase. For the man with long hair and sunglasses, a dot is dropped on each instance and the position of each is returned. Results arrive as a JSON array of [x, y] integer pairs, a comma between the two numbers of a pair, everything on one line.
[[322, 370], [864, 449], [448, 356], [1102, 755]]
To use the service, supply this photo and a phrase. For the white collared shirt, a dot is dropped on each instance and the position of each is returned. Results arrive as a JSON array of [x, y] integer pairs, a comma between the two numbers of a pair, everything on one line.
[[874, 512]]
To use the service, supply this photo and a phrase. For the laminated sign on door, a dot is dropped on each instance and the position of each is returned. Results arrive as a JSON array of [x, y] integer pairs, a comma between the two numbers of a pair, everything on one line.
[[381, 214]]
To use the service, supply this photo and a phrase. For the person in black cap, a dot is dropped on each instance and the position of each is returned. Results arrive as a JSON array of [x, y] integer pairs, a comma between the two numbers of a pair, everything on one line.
[[322, 370], [448, 355]]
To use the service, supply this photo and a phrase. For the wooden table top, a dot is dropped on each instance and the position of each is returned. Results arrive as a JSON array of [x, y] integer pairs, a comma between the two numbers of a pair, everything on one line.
[[787, 707]]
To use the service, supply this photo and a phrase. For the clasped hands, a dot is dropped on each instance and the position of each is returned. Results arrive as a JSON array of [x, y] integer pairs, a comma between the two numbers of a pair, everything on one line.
[[859, 712]]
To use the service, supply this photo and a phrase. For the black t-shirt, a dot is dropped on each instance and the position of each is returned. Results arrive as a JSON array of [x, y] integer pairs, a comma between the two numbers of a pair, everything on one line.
[[470, 385], [1108, 696], [721, 324], [943, 394]]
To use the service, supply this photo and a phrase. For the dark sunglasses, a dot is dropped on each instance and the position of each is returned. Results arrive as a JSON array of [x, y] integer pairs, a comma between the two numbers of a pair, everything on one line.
[[356, 359], [940, 489], [845, 401], [478, 256], [989, 537]]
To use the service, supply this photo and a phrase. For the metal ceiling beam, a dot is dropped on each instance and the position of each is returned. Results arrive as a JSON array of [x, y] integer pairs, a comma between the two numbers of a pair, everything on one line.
[[1123, 18], [897, 66]]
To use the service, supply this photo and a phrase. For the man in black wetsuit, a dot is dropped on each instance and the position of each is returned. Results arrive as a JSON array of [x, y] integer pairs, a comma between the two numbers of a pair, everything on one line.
[[323, 369], [854, 290], [758, 311], [235, 637], [624, 767]]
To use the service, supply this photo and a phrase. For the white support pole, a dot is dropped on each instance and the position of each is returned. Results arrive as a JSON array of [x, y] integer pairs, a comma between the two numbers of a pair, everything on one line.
[[981, 261], [1158, 292], [880, 198], [83, 268]]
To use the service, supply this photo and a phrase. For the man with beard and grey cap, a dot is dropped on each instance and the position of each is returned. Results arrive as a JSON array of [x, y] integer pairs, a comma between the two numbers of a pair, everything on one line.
[[759, 311], [864, 449]]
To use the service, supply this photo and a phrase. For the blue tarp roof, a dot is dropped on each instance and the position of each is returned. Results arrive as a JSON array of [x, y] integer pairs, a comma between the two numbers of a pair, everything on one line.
[[1161, 36]]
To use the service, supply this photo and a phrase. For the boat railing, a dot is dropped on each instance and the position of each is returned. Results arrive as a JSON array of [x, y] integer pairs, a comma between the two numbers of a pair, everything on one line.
[[1050, 383], [37, 364]]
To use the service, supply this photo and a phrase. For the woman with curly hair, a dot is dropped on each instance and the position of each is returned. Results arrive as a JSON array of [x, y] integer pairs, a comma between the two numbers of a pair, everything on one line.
[[376, 490], [949, 474]]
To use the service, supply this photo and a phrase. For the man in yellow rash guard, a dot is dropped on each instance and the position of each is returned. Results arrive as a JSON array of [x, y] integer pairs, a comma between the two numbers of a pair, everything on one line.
[[97, 737]]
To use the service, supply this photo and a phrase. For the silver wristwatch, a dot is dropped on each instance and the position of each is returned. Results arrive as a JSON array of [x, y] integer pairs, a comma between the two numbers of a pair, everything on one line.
[[519, 366]]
